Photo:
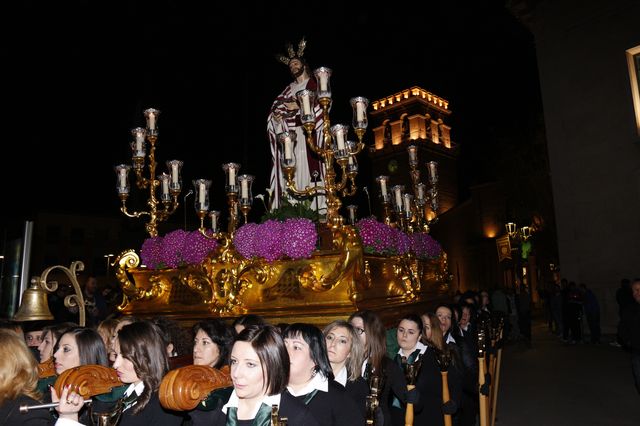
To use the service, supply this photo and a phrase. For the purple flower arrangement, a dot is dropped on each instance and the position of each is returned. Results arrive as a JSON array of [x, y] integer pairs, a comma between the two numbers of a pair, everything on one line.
[[380, 238], [295, 238], [175, 249]]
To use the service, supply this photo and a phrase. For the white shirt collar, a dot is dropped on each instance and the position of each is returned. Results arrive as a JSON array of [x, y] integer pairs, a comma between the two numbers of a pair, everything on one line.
[[318, 382], [268, 400], [342, 377], [137, 387], [450, 339], [420, 346]]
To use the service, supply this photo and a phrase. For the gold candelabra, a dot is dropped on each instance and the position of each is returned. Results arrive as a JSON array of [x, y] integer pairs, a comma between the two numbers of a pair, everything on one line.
[[334, 149], [409, 211], [169, 184], [239, 200]]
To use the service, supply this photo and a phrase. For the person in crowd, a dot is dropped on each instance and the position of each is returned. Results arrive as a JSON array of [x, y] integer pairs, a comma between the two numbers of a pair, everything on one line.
[[371, 331], [105, 329], [311, 378], [464, 354], [18, 381], [178, 341], [141, 362], [346, 354], [95, 304], [79, 346], [211, 347], [624, 299], [410, 350], [629, 330], [430, 409], [555, 305], [485, 302], [467, 319], [574, 313], [591, 309], [6, 324], [212, 343], [259, 370], [50, 336], [285, 116], [33, 336], [250, 319], [122, 321]]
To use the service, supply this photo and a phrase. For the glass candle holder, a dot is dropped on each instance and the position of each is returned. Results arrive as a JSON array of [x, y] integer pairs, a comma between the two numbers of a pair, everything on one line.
[[287, 142], [201, 189], [175, 171], [231, 180], [245, 182], [122, 175], [359, 105]]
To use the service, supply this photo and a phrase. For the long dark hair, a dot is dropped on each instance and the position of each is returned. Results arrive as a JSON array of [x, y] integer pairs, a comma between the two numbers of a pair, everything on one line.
[[376, 347], [317, 345], [91, 348], [142, 343], [221, 334]]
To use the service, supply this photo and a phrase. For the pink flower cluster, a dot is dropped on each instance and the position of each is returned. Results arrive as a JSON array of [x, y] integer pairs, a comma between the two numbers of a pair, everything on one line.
[[175, 249], [295, 238], [380, 238]]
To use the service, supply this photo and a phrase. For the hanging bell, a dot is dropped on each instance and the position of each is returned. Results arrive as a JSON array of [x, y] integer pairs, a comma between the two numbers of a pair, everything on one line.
[[34, 305]]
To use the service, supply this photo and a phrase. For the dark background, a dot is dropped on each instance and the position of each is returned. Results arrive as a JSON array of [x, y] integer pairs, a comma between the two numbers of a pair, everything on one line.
[[79, 74]]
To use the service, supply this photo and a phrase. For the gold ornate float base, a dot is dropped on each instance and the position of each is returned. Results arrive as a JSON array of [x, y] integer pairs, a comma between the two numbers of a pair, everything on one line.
[[331, 284]]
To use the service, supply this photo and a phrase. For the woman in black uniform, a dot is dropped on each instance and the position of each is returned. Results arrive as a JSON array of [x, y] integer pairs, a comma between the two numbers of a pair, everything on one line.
[[311, 378]]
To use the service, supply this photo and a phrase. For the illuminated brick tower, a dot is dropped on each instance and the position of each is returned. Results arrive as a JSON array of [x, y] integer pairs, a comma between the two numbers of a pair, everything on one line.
[[413, 116]]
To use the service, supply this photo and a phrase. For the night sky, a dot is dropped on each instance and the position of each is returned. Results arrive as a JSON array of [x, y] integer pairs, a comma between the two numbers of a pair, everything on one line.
[[78, 76]]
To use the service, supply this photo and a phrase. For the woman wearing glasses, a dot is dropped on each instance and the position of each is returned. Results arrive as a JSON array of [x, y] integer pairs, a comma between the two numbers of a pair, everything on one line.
[[372, 334]]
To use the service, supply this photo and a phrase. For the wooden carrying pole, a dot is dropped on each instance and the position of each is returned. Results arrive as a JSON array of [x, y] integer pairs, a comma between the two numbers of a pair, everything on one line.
[[482, 370], [411, 372], [496, 375], [408, 415]]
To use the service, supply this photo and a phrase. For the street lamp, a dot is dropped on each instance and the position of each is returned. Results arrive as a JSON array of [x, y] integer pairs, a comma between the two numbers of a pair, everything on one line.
[[108, 258]]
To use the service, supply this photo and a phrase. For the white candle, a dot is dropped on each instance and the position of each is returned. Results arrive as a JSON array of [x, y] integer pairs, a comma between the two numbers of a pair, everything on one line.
[[398, 197], [123, 177], [152, 121], [165, 186], [383, 188], [359, 111], [413, 154], [202, 194], [433, 170], [323, 82], [232, 176], [174, 173], [288, 151], [407, 202], [420, 192], [340, 139], [244, 189], [214, 222], [139, 141], [306, 105]]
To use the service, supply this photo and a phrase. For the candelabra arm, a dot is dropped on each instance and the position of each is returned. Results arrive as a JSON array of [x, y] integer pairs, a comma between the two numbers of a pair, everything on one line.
[[311, 139], [309, 190], [126, 212]]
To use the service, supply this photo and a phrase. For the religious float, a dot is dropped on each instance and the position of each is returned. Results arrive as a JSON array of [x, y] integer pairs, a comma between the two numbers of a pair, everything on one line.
[[284, 269]]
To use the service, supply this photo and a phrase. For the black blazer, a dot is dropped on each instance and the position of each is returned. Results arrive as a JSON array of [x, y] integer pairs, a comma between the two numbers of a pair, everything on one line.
[[10, 413], [358, 390], [335, 407], [153, 414], [295, 411]]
